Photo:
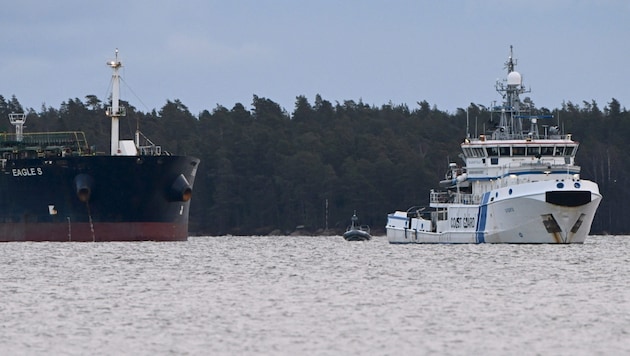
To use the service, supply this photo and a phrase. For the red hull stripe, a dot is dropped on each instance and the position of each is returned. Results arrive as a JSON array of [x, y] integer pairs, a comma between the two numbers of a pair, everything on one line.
[[132, 231]]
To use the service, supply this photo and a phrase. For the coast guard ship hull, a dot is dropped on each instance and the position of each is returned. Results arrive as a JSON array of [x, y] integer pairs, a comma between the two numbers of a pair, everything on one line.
[[530, 213]]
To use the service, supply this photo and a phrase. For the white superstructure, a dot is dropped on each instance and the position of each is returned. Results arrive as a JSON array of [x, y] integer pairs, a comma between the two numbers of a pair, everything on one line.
[[518, 185]]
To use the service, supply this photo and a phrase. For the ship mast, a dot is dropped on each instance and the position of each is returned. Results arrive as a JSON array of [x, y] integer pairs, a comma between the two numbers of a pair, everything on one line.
[[510, 122], [514, 85], [115, 111]]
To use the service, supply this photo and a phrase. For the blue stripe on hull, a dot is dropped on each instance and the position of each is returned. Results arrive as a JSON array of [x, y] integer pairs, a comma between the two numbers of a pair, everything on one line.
[[481, 219]]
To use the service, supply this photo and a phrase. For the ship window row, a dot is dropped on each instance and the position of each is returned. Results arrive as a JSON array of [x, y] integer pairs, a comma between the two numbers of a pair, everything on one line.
[[519, 151]]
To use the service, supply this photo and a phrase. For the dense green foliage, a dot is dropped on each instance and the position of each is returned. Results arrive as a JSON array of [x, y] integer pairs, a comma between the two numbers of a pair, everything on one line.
[[265, 170]]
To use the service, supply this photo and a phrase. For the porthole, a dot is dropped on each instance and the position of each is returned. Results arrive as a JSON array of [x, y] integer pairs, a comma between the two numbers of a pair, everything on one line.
[[560, 185]]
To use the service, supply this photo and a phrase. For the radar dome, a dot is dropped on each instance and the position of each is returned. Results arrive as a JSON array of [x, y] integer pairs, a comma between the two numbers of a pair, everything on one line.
[[514, 78]]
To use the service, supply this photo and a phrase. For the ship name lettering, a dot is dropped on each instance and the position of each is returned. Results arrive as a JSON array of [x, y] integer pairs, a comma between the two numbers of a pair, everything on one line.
[[463, 222], [27, 172]]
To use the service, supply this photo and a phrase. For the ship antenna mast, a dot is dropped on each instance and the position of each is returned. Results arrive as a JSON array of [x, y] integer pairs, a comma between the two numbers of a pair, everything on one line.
[[510, 122], [511, 63], [115, 111]]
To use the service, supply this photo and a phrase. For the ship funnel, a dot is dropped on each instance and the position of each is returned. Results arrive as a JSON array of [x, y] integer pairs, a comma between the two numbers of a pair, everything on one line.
[[83, 186], [181, 189]]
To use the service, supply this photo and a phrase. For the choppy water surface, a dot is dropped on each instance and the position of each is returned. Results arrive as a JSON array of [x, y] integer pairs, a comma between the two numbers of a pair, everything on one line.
[[314, 296]]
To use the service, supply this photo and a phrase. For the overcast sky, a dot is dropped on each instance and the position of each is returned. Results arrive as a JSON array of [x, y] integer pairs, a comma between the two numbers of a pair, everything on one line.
[[210, 52]]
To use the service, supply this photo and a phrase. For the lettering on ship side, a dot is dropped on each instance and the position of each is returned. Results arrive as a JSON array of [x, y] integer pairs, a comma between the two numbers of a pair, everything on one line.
[[466, 222], [27, 172]]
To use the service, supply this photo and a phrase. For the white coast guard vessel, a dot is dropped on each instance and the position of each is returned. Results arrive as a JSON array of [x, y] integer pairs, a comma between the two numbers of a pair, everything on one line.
[[518, 185]]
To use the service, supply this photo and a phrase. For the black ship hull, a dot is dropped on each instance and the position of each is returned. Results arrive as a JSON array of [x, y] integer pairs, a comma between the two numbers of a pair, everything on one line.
[[96, 198]]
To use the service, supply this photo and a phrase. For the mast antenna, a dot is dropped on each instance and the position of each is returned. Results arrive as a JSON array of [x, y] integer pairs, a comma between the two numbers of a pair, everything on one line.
[[467, 126], [115, 111]]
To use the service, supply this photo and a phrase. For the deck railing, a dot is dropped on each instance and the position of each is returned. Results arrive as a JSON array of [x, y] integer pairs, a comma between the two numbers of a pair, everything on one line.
[[73, 139]]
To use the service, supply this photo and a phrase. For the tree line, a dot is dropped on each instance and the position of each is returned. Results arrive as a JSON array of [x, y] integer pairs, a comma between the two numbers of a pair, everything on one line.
[[267, 171]]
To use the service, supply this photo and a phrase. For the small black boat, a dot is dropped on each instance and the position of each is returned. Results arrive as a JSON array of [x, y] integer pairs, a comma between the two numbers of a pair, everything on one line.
[[356, 232]]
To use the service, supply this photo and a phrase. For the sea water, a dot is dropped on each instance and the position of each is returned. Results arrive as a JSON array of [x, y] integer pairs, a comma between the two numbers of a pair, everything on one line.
[[304, 295]]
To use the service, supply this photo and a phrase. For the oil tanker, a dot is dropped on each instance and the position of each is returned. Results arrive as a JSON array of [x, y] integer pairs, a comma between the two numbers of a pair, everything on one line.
[[53, 187]]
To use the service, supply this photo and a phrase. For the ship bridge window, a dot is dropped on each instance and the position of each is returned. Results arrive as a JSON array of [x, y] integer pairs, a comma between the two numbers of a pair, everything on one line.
[[474, 152], [504, 151], [493, 151], [533, 150], [559, 151], [547, 151], [518, 151], [570, 151]]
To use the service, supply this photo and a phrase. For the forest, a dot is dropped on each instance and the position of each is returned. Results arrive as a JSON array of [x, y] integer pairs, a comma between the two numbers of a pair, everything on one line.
[[268, 171]]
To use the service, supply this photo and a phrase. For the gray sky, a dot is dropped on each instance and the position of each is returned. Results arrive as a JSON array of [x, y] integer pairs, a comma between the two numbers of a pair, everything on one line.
[[209, 52]]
